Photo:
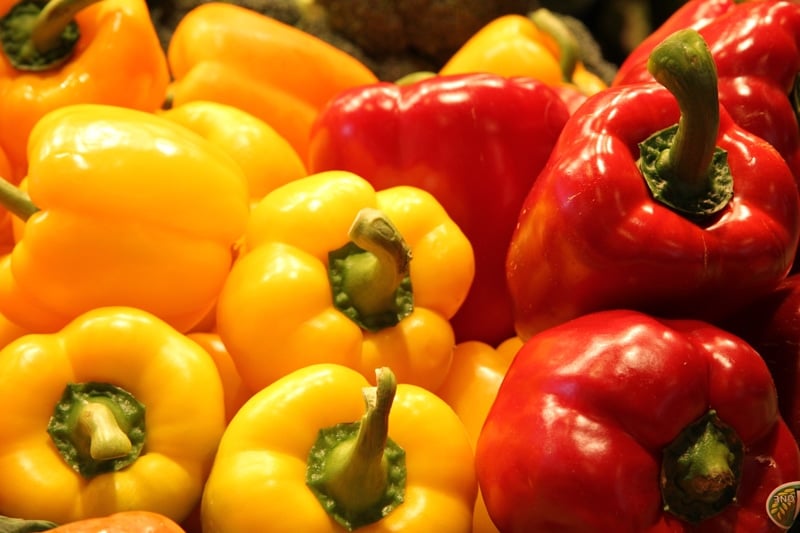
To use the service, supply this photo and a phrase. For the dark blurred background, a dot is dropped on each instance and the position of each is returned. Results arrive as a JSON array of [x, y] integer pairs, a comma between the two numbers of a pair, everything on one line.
[[396, 37]]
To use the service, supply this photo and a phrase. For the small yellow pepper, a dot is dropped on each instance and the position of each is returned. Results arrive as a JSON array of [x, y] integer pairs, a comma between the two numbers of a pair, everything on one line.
[[267, 159], [125, 208], [235, 391], [117, 411], [323, 280], [405, 464], [470, 389], [537, 46]]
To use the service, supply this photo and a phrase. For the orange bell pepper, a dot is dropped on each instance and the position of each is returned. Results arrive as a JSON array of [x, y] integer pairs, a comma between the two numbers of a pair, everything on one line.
[[117, 59], [470, 389], [122, 522], [236, 393], [125, 208], [280, 74], [538, 46], [6, 226]]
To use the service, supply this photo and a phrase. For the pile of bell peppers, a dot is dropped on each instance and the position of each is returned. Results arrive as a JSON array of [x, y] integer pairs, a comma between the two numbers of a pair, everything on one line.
[[247, 286]]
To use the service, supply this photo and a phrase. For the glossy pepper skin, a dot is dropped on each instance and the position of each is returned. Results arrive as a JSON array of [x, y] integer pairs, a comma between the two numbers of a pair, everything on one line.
[[122, 522], [267, 159], [259, 478], [277, 311], [233, 55], [129, 209], [499, 133], [756, 48], [471, 386], [117, 60], [592, 236], [771, 325], [537, 45], [184, 417], [581, 429]]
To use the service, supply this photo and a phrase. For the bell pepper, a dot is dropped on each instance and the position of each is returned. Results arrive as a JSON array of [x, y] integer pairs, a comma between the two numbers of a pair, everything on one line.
[[124, 208], [618, 421], [231, 54], [234, 390], [538, 45], [470, 389], [117, 411], [6, 225], [474, 141], [72, 52], [771, 325], [756, 48], [705, 220], [294, 460], [332, 271], [267, 159], [122, 522]]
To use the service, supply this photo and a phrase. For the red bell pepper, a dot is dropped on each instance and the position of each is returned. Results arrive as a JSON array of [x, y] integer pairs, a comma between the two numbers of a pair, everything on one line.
[[705, 221], [771, 325], [475, 141], [618, 421], [756, 47]]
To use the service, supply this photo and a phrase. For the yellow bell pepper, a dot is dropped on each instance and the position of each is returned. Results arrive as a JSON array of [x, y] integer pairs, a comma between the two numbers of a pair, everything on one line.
[[267, 159], [537, 46], [125, 208], [117, 411], [287, 304], [470, 389], [403, 465]]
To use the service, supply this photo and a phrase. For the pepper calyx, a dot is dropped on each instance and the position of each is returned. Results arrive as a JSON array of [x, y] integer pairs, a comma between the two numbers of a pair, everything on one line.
[[355, 470], [681, 165], [701, 469], [369, 276], [37, 36], [20, 525], [97, 428]]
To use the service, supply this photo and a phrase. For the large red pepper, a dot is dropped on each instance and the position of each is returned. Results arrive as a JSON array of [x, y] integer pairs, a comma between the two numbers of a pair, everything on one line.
[[756, 47], [771, 325], [617, 421], [704, 222], [475, 141]]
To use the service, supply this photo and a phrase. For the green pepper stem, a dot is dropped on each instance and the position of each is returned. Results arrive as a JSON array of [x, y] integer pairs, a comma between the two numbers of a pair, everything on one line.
[[701, 469], [16, 201], [52, 20], [684, 65], [373, 278], [356, 471], [106, 439], [568, 47]]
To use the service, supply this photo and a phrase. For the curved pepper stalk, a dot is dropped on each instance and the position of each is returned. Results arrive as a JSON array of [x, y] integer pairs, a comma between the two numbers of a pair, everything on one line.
[[682, 165], [370, 275], [355, 470]]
